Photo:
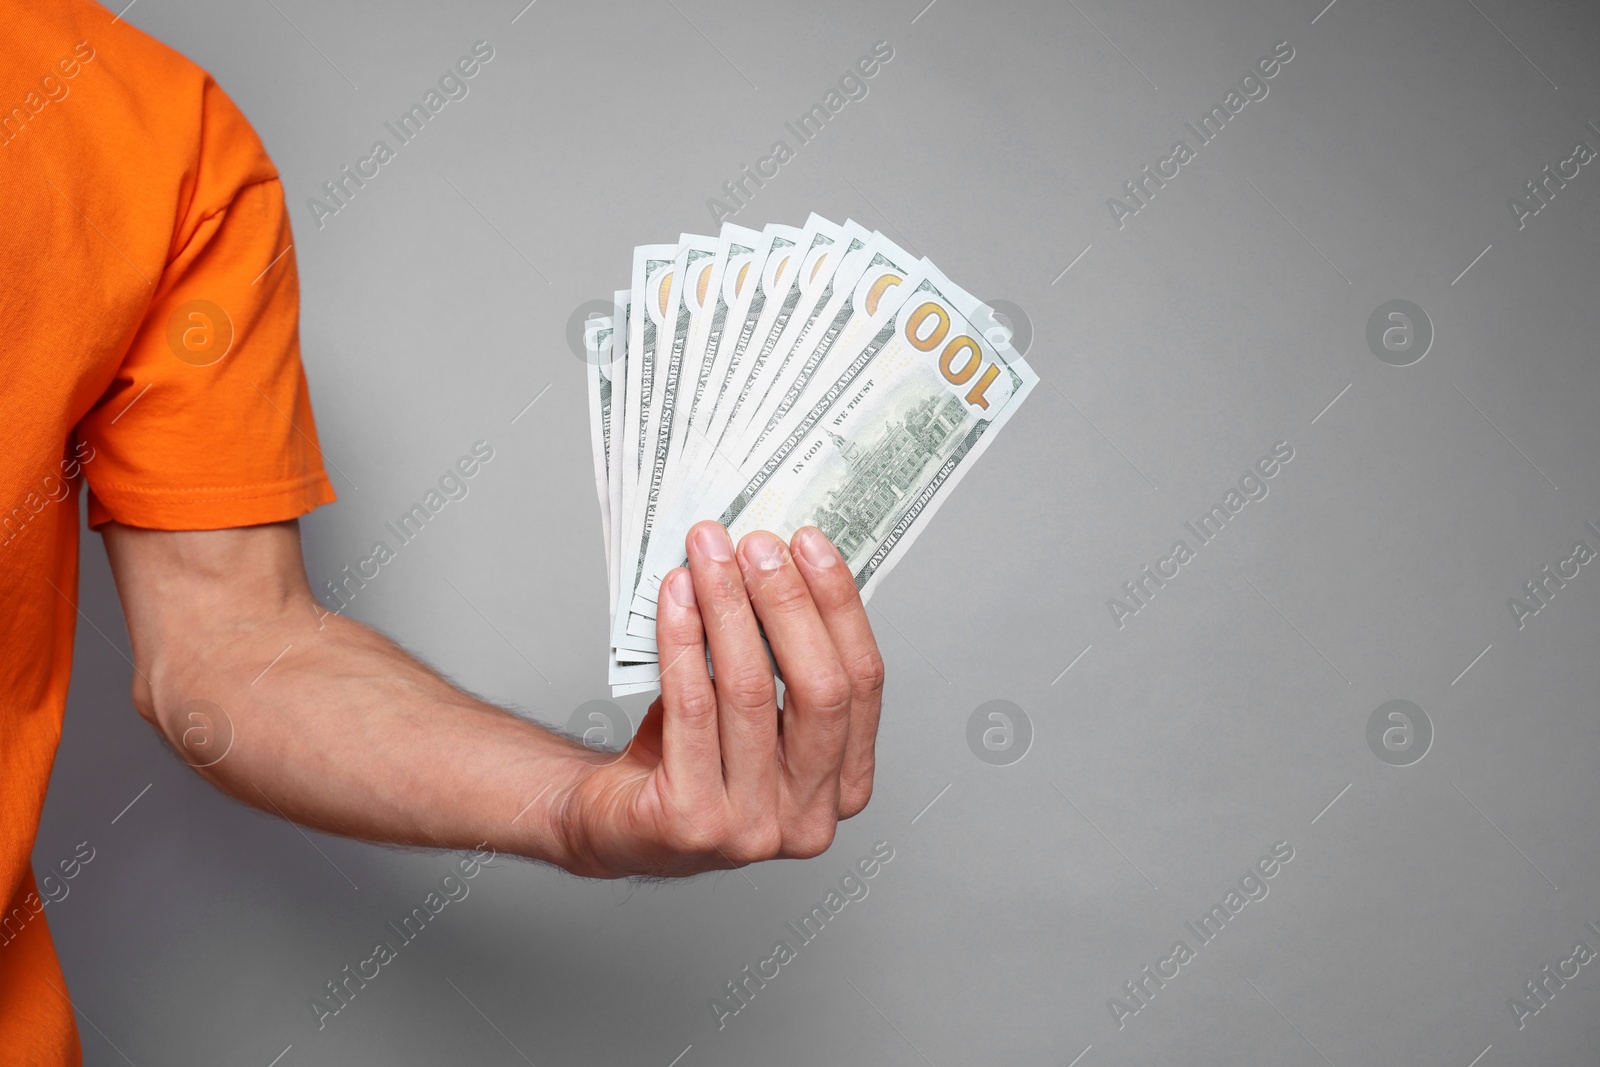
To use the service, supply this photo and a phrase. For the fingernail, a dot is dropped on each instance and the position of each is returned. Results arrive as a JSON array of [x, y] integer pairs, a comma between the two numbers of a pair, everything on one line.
[[681, 588], [712, 540], [816, 548], [762, 551]]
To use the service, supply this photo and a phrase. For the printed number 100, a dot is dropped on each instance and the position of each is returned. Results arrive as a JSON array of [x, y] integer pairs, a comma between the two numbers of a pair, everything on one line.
[[962, 350]]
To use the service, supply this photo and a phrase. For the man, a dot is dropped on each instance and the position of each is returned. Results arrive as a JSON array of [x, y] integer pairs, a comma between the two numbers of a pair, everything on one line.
[[148, 332]]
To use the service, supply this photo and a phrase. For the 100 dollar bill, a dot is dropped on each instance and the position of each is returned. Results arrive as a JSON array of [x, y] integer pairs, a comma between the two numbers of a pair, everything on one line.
[[881, 447], [874, 283]]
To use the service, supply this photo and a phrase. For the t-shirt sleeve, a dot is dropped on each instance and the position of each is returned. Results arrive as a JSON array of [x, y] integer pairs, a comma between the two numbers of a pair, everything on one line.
[[207, 422]]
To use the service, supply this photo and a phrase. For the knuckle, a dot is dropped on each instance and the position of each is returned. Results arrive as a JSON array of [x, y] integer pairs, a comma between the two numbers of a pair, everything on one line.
[[696, 706], [854, 796], [828, 692], [866, 670], [678, 626], [811, 840], [783, 593], [754, 844], [748, 688], [840, 594], [727, 587]]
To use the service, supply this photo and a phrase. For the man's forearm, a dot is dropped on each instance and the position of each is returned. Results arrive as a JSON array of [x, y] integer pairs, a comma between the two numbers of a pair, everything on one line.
[[349, 734], [346, 732]]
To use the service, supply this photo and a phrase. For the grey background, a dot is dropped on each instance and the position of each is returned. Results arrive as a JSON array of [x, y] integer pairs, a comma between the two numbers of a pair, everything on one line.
[[1224, 717]]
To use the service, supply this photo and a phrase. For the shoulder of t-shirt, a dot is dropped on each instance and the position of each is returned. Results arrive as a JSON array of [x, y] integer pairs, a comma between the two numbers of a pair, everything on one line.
[[159, 124]]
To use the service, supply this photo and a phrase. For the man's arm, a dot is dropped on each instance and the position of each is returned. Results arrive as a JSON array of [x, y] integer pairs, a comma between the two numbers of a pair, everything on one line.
[[347, 733]]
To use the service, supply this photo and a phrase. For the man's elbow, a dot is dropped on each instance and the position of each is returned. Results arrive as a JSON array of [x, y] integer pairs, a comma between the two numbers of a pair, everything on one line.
[[199, 731]]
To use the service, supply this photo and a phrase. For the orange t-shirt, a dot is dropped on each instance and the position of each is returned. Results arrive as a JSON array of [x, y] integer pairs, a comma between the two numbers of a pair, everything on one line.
[[149, 342]]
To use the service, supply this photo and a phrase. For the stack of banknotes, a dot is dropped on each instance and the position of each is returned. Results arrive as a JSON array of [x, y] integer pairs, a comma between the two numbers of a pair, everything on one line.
[[781, 378]]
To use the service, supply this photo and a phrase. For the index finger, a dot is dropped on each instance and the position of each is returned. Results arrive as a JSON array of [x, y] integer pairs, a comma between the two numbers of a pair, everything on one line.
[[691, 753], [833, 589]]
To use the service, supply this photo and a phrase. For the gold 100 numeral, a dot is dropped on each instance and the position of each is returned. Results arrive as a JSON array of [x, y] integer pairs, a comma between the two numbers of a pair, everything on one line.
[[962, 349]]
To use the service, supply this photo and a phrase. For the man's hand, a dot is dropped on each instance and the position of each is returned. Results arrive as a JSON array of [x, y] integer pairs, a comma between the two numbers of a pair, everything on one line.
[[719, 775], [333, 726]]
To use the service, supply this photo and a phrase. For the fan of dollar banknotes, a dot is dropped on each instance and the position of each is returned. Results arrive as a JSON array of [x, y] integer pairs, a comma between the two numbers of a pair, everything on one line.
[[780, 378]]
